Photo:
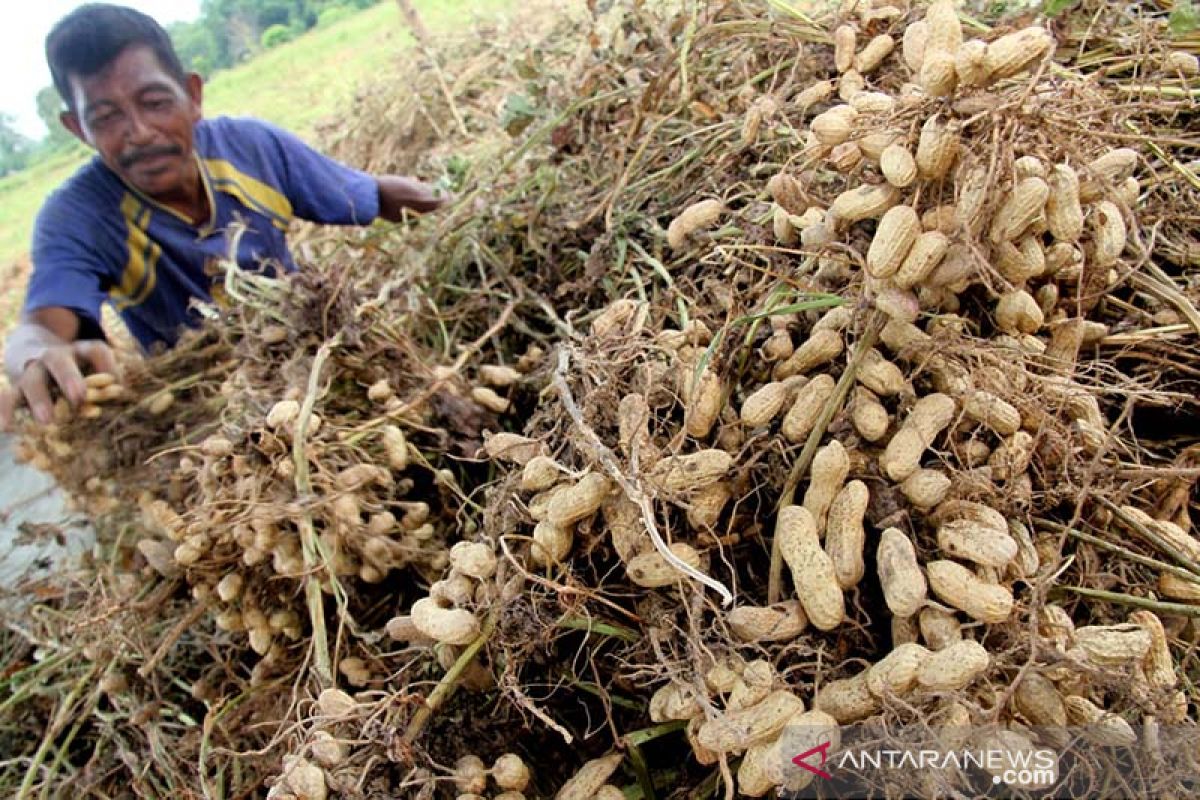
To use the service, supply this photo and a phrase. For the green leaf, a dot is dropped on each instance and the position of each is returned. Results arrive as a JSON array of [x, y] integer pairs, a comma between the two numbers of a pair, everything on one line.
[[518, 112], [1184, 18], [1055, 7]]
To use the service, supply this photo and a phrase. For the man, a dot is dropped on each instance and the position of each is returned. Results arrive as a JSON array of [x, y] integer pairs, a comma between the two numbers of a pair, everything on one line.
[[142, 224]]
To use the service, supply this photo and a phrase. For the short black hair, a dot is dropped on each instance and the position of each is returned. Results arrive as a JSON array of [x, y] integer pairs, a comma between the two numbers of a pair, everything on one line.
[[90, 37]]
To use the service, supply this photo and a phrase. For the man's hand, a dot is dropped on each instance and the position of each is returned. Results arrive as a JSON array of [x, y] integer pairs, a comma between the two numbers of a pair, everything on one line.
[[398, 193], [36, 358]]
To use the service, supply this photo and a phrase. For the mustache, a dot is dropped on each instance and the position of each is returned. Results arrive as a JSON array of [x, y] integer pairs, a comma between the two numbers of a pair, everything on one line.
[[127, 160]]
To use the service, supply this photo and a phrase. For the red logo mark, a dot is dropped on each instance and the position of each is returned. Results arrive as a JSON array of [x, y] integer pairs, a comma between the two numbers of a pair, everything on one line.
[[823, 749]]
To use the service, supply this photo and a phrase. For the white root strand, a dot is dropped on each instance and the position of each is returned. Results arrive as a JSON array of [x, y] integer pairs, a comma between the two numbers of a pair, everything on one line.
[[631, 486]]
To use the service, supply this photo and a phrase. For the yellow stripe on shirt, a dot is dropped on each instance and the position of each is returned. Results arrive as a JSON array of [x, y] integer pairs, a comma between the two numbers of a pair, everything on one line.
[[253, 193], [139, 276]]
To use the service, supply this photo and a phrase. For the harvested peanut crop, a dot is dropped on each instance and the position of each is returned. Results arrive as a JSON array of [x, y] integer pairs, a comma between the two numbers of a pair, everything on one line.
[[785, 382]]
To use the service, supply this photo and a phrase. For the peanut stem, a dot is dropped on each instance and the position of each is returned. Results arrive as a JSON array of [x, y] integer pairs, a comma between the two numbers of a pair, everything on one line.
[[449, 682], [172, 637], [1182, 609], [1137, 558], [60, 719], [1151, 536], [308, 534]]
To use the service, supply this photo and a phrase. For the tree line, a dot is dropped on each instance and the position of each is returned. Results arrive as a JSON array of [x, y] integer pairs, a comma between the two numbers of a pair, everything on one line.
[[226, 33]]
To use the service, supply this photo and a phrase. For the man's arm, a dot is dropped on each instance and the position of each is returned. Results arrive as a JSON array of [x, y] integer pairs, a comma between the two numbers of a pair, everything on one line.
[[398, 193], [326, 191], [43, 349], [60, 325], [62, 322]]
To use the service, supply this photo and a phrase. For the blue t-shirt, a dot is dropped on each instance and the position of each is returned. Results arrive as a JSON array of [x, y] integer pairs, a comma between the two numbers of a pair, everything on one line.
[[97, 238]]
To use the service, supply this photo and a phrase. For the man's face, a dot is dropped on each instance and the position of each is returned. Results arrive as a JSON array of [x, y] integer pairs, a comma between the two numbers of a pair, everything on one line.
[[140, 120]]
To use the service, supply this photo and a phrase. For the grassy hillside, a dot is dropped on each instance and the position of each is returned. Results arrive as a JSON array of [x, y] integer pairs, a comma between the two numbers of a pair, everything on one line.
[[307, 80], [294, 86]]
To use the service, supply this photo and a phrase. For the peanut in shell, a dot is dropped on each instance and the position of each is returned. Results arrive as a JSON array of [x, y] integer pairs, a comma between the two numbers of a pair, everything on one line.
[[674, 701], [969, 63], [875, 143], [1157, 664], [925, 488], [959, 587], [876, 50], [1177, 588], [979, 513], [1017, 312], [1038, 701], [850, 85], [1021, 207], [812, 570], [937, 149], [847, 700], [898, 671], [869, 417], [447, 625], [762, 406], [551, 543], [928, 418], [865, 202], [916, 35], [652, 571], [512, 447], [1105, 172], [939, 628], [893, 239], [683, 473], [1064, 213], [579, 501], [782, 621], [1108, 234], [1181, 62], [954, 667], [735, 731], [540, 473], [845, 535], [1016, 52], [834, 126], [945, 29], [696, 217], [801, 418], [590, 778], [1099, 726], [788, 193], [821, 347], [939, 76], [1113, 645], [903, 583], [830, 466], [758, 771], [898, 165], [923, 257], [873, 103], [703, 396], [845, 42], [979, 544], [814, 94]]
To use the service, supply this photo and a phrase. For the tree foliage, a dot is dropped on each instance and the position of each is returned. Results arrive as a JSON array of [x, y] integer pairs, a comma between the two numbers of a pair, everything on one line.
[[229, 31], [49, 107], [15, 147], [276, 35]]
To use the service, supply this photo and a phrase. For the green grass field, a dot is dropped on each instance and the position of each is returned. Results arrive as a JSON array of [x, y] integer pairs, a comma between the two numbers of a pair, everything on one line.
[[295, 86]]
